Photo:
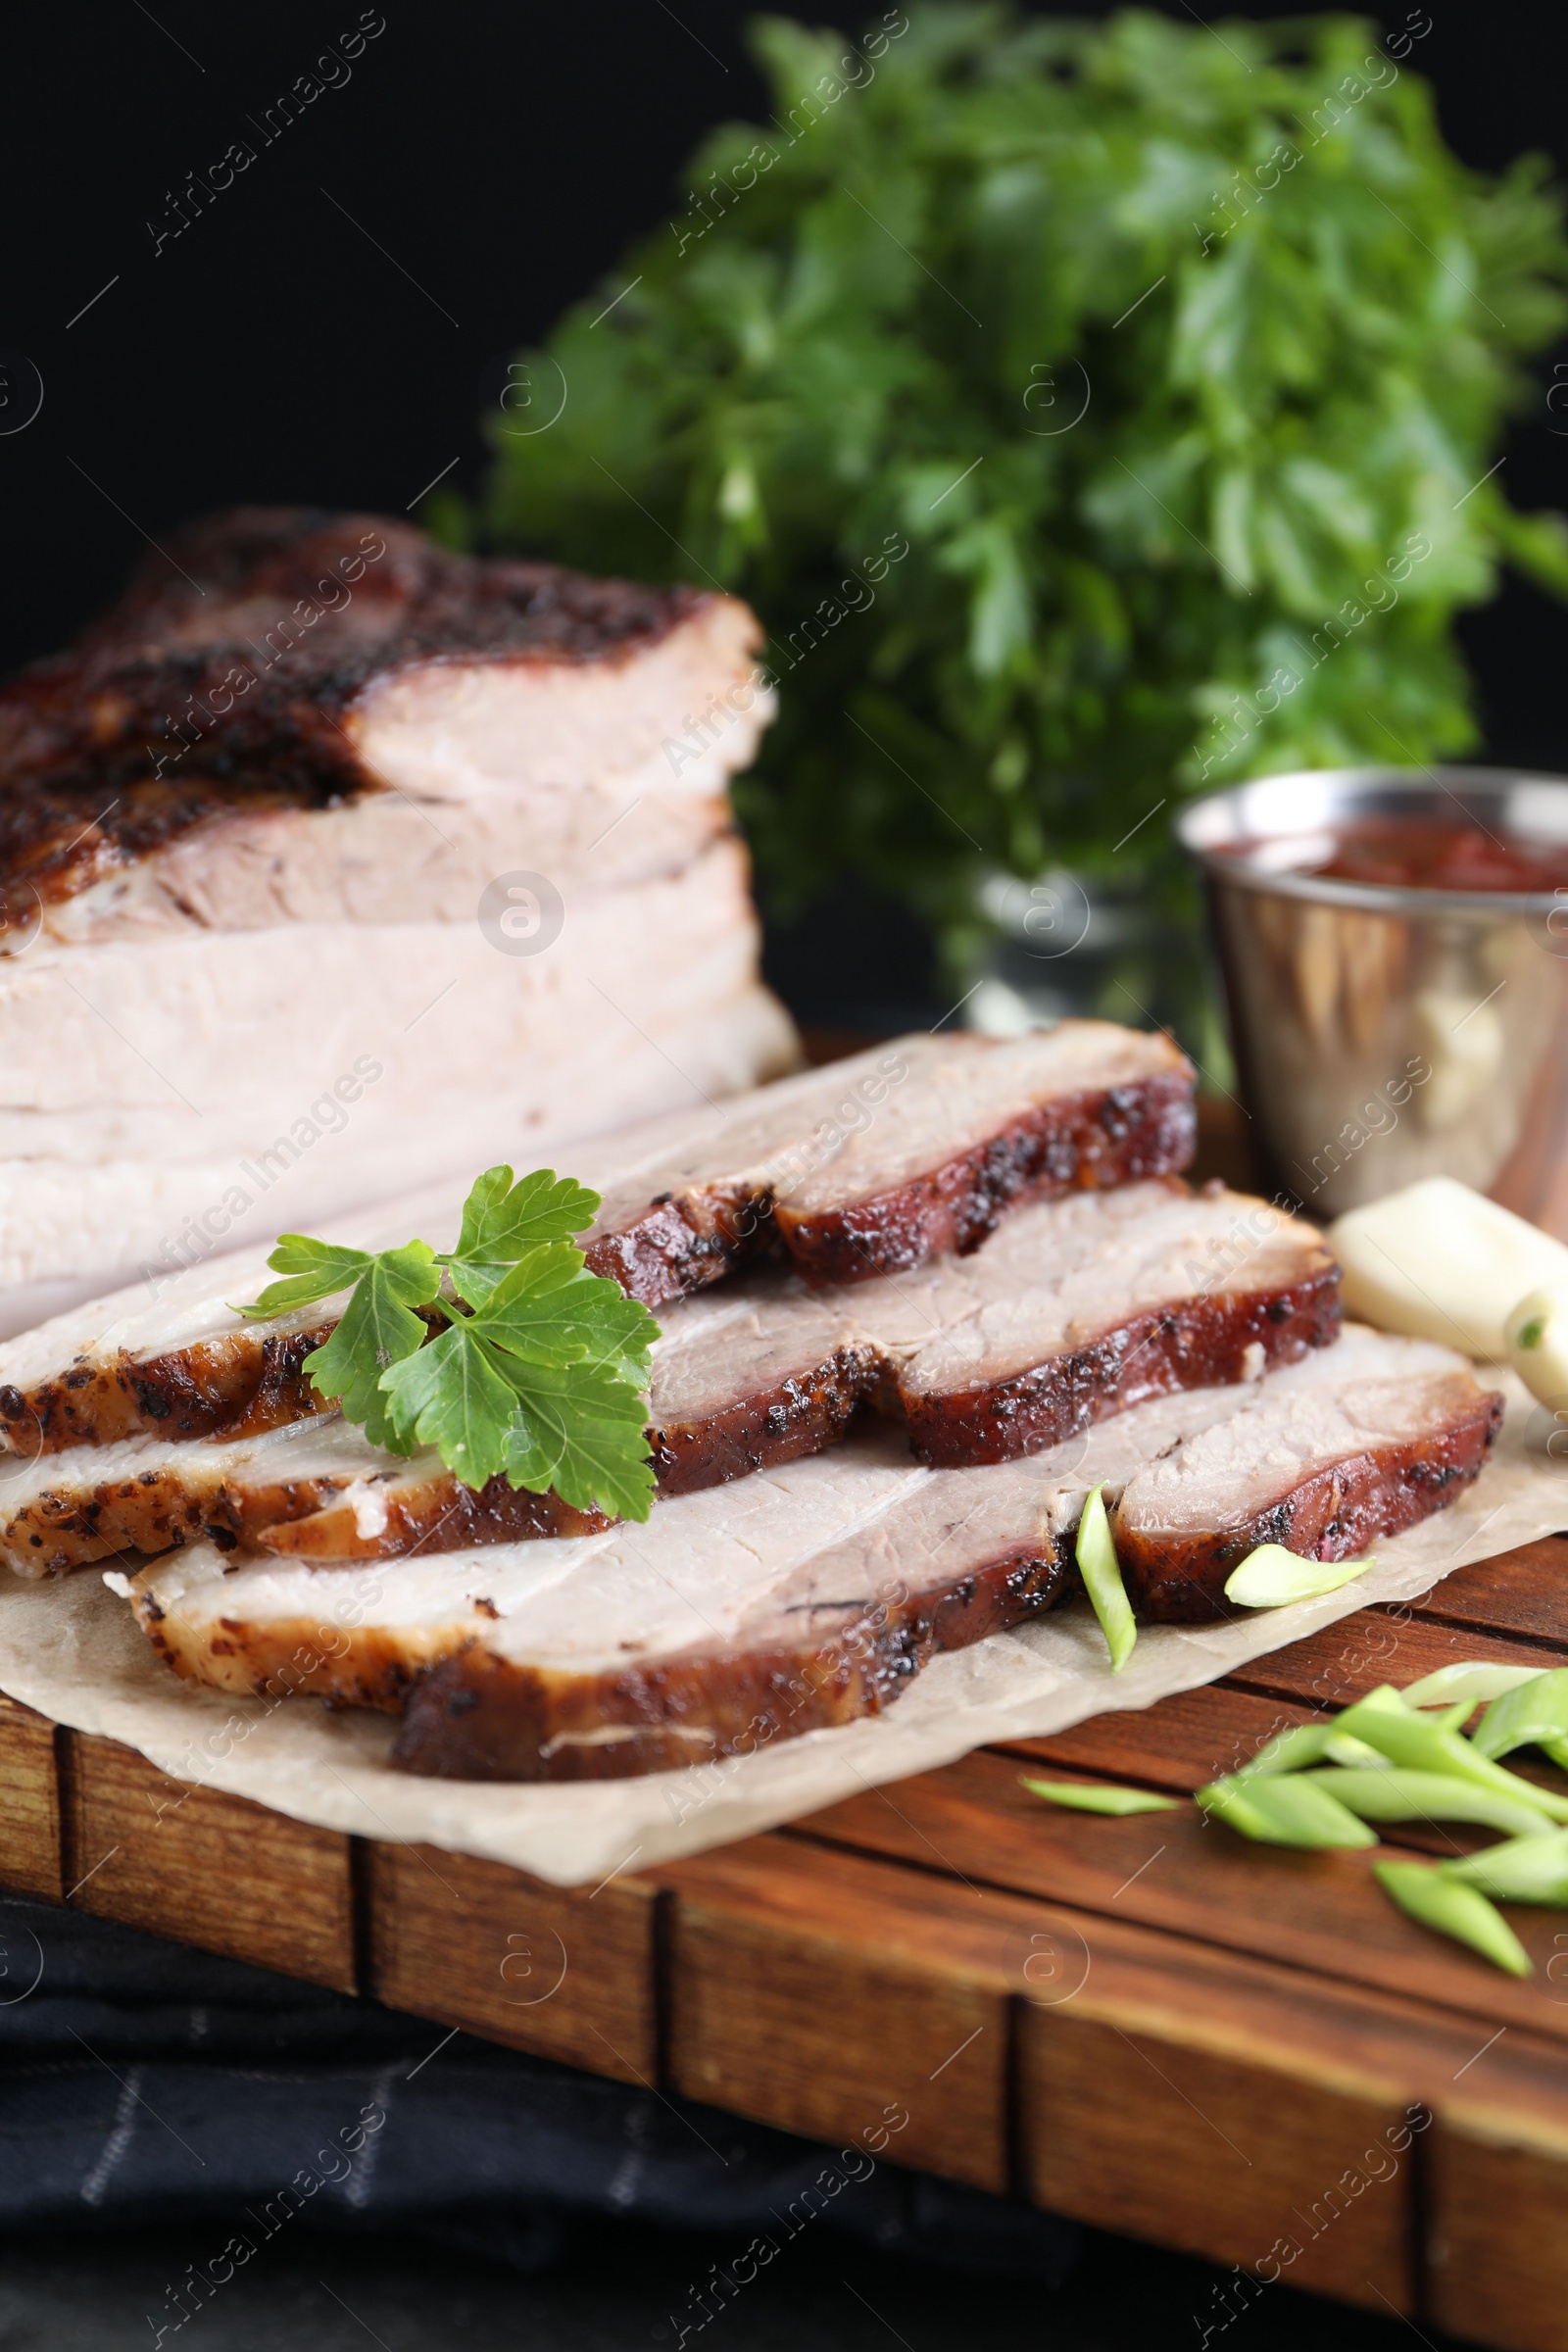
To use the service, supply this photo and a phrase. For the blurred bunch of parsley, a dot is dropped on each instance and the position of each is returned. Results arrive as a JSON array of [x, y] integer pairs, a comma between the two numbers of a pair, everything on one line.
[[1298, 322]]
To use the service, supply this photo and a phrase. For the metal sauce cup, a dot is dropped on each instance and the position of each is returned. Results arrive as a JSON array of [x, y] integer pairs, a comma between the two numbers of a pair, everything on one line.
[[1384, 1034]]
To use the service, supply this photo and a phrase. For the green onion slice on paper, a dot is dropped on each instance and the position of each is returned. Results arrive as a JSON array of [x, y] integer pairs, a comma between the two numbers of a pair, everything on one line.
[[1271, 1578], [1101, 1574]]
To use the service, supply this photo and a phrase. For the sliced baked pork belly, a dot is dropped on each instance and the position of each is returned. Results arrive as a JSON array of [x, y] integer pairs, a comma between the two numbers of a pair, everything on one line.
[[688, 1198], [878, 1164], [799, 1598], [331, 862], [1077, 1308], [1186, 1291], [1333, 1455], [1084, 1105], [317, 1486]]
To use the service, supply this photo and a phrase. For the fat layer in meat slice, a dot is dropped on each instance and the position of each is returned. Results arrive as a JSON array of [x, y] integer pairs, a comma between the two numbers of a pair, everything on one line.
[[307, 681], [686, 1199], [1333, 1455], [805, 1596]]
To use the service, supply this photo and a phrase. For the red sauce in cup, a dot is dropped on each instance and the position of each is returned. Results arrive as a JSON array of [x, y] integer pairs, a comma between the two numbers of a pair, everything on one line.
[[1432, 854]]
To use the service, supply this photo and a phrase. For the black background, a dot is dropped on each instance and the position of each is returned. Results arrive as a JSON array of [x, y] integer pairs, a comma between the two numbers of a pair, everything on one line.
[[501, 155]]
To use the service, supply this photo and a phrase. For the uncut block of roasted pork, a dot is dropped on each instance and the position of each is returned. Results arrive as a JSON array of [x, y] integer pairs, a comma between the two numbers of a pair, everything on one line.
[[1074, 1310], [250, 829], [802, 1596], [686, 1199], [1332, 1455]]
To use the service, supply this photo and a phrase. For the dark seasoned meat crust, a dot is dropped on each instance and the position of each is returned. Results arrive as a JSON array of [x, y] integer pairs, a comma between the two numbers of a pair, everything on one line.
[[223, 683]]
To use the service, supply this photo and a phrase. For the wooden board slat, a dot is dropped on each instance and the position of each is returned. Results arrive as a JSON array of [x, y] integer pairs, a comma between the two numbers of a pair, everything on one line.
[[1187, 1738], [1525, 1592], [828, 1997], [561, 1970], [1252, 2114], [211, 1868], [1191, 1877], [30, 1859], [1496, 2251]]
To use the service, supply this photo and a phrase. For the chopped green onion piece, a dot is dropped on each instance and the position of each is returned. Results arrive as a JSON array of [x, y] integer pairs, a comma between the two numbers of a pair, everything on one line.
[[1101, 1798], [1453, 1908], [1288, 1751], [1384, 1723], [1474, 1679], [1278, 1809], [1270, 1578], [1310, 1744], [1396, 1793], [1523, 1870], [1526, 1717], [1101, 1574], [1341, 1749]]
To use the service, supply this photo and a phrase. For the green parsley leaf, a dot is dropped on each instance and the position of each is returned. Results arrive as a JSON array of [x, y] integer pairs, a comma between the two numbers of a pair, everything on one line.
[[377, 1328], [451, 1395], [571, 1426], [582, 1433], [316, 1270], [502, 1221], [548, 1310]]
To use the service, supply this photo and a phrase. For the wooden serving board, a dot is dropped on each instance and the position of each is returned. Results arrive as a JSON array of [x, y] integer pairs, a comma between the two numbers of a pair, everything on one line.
[[1240, 2052]]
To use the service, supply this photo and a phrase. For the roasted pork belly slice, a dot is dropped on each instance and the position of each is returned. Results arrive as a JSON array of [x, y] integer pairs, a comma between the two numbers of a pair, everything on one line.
[[143, 1496], [1339, 1451], [875, 1164], [64, 1510], [1083, 1104], [310, 685], [967, 1554], [361, 1634], [1190, 1292], [802, 1596]]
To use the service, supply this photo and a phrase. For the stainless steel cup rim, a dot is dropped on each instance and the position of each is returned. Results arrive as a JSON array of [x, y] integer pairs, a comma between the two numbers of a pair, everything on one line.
[[1529, 807]]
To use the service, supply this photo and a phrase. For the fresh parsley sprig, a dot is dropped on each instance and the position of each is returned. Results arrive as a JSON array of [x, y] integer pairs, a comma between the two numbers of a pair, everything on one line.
[[504, 1353]]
